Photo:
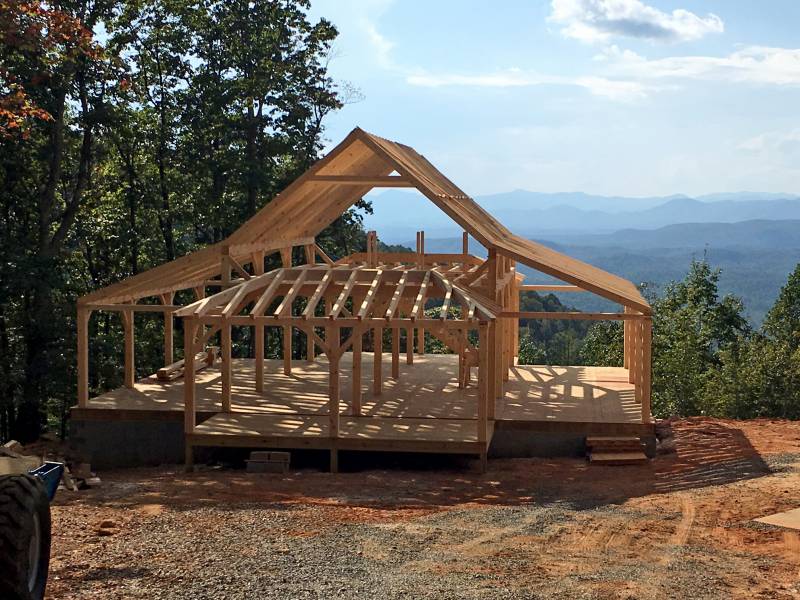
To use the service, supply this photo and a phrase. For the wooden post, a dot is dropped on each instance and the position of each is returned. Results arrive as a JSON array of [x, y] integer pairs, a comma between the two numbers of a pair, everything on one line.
[[495, 383], [377, 367], [410, 346], [333, 395], [632, 352], [329, 335], [259, 358], [515, 304], [286, 257], [169, 355], [497, 335], [484, 376], [420, 341], [189, 330], [311, 253], [357, 347], [257, 260], [647, 341], [461, 362], [226, 366], [465, 243], [333, 398], [83, 355], [130, 367], [287, 349], [225, 266], [626, 341], [310, 347], [491, 360], [395, 353], [491, 271]]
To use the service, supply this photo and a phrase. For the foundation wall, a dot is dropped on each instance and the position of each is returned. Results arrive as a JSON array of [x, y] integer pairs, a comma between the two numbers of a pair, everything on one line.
[[141, 442], [524, 444]]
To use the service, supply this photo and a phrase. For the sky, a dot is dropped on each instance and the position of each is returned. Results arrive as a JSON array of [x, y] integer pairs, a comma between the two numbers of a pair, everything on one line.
[[613, 97]]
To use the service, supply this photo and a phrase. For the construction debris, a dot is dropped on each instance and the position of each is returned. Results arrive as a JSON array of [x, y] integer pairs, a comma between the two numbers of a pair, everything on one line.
[[13, 446], [16, 458], [68, 481]]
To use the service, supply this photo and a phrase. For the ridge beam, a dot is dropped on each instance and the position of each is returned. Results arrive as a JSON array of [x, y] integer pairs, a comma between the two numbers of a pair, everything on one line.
[[387, 181]]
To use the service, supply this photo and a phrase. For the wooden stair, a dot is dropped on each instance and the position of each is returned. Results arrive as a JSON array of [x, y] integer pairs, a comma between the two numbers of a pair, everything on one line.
[[611, 450]]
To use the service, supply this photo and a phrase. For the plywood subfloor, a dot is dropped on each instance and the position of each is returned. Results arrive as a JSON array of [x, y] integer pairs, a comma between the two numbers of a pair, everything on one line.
[[426, 389], [789, 519]]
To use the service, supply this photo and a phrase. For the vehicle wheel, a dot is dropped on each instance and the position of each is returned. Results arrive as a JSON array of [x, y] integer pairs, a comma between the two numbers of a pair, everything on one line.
[[24, 537]]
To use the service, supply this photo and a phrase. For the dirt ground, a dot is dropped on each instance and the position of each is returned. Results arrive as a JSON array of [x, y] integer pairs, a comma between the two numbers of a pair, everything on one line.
[[679, 527]]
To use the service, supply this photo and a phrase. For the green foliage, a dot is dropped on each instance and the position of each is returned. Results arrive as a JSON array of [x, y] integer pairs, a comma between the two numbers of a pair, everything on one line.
[[759, 374], [782, 323], [603, 344], [706, 360], [691, 325], [185, 122], [531, 352], [189, 118], [551, 342]]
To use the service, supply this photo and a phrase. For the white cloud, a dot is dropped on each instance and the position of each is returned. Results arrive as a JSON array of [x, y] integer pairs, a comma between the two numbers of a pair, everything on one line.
[[614, 89], [600, 20], [752, 64], [379, 43], [776, 144], [501, 79]]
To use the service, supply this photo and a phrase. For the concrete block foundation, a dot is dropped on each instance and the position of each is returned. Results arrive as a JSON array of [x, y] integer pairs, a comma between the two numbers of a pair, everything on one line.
[[141, 442], [509, 443], [108, 444]]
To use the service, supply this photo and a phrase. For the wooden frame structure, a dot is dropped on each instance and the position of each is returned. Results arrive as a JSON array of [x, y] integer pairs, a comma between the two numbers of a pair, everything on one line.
[[336, 302]]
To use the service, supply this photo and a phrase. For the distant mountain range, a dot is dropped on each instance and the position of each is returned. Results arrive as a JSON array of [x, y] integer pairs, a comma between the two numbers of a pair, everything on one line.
[[755, 257], [397, 213], [758, 233], [753, 237]]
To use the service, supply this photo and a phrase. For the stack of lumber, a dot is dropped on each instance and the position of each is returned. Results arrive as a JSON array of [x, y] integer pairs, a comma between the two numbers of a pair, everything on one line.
[[611, 450], [201, 361]]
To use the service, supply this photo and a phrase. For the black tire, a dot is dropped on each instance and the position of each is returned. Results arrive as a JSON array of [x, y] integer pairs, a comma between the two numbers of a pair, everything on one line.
[[24, 518]]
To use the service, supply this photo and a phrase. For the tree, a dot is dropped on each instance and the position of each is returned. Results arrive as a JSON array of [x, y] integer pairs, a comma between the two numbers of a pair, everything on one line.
[[691, 325], [759, 374], [49, 57], [115, 158], [38, 39], [603, 345], [782, 322]]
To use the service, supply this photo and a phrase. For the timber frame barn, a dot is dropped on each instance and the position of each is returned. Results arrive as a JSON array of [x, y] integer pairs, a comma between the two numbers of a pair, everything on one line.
[[338, 318]]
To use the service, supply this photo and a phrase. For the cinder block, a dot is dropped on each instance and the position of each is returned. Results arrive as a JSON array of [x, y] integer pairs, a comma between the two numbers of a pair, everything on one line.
[[265, 456], [262, 466]]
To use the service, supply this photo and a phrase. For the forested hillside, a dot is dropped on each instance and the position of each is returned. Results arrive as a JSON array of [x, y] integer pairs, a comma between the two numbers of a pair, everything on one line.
[[124, 149], [135, 131], [707, 359]]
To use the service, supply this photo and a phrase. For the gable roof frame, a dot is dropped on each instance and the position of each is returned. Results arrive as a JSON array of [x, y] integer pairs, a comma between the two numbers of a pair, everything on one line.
[[317, 198]]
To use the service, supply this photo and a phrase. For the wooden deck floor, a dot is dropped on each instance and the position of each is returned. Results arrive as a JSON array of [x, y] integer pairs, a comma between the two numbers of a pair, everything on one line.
[[422, 411], [426, 389]]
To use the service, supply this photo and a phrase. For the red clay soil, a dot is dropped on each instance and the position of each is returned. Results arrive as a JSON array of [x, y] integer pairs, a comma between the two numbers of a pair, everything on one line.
[[679, 527]]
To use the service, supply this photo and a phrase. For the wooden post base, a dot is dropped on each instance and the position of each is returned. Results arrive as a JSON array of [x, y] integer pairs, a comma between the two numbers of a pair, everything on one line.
[[189, 466], [483, 462], [334, 461]]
